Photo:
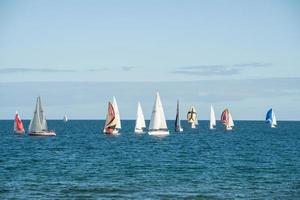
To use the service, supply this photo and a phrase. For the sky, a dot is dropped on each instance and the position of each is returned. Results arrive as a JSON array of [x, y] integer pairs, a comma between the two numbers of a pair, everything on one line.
[[244, 55]]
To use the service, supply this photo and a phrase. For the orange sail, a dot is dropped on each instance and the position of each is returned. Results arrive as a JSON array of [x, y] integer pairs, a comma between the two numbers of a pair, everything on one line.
[[18, 125]]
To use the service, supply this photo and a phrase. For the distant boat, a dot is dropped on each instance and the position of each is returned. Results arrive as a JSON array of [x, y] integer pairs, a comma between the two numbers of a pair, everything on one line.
[[158, 124], [227, 120], [192, 117], [111, 120], [271, 118], [65, 119], [140, 120], [117, 114], [38, 124], [178, 127], [212, 122], [18, 125]]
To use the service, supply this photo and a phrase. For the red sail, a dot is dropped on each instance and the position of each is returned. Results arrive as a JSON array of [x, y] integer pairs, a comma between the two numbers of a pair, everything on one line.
[[18, 124], [225, 117]]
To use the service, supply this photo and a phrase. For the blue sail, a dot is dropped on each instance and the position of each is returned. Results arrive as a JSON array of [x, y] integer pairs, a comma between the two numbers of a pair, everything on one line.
[[269, 116]]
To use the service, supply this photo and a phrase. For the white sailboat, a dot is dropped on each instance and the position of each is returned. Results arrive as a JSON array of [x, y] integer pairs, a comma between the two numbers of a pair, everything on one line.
[[117, 115], [140, 120], [65, 118], [158, 124], [178, 127], [38, 124], [227, 120], [192, 117], [271, 118], [212, 122]]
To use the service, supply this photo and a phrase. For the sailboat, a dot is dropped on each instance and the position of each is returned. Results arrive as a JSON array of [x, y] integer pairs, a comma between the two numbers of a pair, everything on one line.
[[178, 127], [227, 120], [117, 115], [18, 125], [111, 121], [212, 121], [38, 124], [271, 118], [192, 117], [65, 118], [158, 124], [140, 120]]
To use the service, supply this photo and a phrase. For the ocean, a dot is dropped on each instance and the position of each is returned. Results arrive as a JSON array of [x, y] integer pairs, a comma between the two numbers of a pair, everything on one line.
[[251, 162]]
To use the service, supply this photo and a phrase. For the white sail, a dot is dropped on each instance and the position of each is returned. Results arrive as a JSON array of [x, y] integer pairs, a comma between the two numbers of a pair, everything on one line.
[[117, 113], [274, 121], [35, 124], [230, 122], [140, 120], [158, 120], [212, 122], [42, 115], [65, 118]]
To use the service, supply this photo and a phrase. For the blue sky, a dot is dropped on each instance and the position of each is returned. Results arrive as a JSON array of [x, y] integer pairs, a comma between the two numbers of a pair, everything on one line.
[[232, 43]]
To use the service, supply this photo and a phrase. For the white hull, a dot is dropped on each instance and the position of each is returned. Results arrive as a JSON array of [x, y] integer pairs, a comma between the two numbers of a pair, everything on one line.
[[43, 133], [193, 126], [212, 128], [138, 130], [158, 133], [273, 126], [228, 128], [115, 132]]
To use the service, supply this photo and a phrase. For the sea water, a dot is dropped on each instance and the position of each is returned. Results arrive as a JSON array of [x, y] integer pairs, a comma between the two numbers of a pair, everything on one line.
[[251, 162]]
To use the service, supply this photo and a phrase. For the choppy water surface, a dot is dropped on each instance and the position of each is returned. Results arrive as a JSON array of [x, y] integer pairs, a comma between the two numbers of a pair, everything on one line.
[[251, 162]]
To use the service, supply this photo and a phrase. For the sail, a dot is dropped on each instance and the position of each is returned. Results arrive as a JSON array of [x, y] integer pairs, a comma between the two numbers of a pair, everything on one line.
[[212, 117], [158, 120], [35, 124], [65, 118], [42, 115], [18, 125], [177, 120], [192, 116], [274, 121], [225, 117], [140, 120], [269, 116], [117, 113], [110, 117], [230, 120]]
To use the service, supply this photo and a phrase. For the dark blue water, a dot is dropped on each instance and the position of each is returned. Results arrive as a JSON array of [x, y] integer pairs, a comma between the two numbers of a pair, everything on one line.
[[251, 162]]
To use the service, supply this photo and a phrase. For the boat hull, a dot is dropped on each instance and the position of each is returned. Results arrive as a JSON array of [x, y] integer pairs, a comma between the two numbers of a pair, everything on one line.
[[159, 133], [193, 126], [19, 132], [179, 130], [43, 133], [138, 131], [114, 132], [228, 128]]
